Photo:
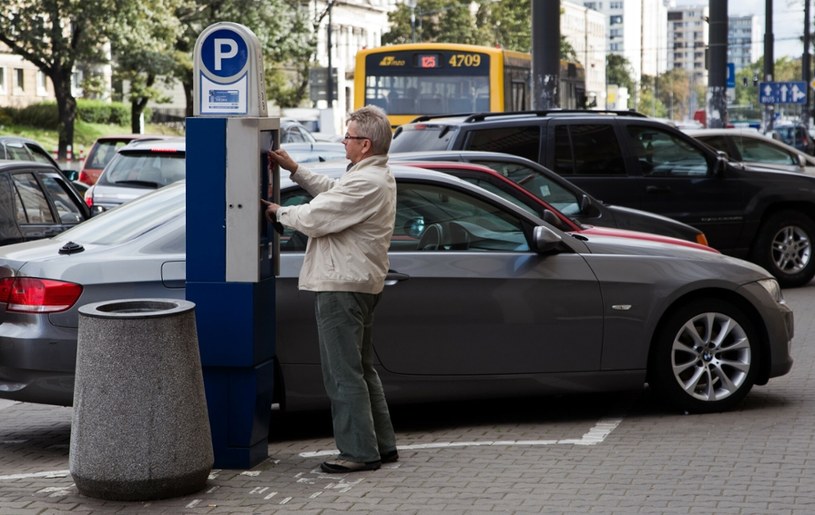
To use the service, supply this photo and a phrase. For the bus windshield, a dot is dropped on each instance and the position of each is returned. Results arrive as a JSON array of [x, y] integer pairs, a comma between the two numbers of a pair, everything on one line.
[[439, 94]]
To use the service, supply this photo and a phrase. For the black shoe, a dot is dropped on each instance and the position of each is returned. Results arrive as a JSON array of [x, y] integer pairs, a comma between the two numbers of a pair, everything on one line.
[[340, 466], [390, 457]]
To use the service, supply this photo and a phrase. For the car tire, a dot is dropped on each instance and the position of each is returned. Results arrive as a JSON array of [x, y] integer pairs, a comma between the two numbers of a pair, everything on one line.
[[785, 248], [705, 357]]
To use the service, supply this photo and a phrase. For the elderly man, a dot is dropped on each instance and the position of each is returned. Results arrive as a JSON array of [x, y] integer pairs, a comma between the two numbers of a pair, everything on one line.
[[349, 223]]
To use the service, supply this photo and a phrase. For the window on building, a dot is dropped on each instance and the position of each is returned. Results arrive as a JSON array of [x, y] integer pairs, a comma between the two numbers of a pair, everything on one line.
[[19, 80], [615, 20], [42, 84], [2, 81]]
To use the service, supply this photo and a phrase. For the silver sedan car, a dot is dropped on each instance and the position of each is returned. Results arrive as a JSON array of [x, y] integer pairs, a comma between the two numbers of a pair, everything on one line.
[[484, 300]]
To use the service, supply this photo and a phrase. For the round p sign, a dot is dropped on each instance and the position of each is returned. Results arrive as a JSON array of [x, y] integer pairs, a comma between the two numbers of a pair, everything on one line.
[[224, 54]]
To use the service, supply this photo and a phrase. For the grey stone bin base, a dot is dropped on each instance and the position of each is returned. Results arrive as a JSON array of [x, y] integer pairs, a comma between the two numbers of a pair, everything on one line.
[[140, 428]]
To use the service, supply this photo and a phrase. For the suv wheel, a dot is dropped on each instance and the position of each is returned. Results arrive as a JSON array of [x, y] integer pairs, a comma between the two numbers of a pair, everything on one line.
[[705, 357], [785, 248]]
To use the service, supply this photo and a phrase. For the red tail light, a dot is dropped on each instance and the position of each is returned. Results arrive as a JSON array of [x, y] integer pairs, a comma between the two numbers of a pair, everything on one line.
[[31, 295], [89, 200]]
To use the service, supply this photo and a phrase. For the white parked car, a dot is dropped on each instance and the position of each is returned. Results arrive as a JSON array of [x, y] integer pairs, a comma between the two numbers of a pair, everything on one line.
[[750, 147]]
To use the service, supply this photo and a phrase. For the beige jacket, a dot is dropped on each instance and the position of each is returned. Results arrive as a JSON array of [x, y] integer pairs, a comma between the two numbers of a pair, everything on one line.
[[349, 224]]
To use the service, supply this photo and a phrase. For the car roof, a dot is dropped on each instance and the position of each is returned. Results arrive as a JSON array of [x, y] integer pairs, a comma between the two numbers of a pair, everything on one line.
[[748, 133], [177, 144], [13, 164], [509, 115]]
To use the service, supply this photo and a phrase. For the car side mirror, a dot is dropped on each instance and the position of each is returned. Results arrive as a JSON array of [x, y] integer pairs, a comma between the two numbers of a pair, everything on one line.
[[588, 207], [71, 175], [546, 240], [721, 162], [96, 210]]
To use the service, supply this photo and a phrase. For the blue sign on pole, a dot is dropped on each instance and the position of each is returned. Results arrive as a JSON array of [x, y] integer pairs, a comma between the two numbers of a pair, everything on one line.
[[782, 92], [731, 75]]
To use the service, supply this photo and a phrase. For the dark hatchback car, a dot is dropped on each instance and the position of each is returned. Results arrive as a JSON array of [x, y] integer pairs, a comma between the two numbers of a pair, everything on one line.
[[628, 159], [565, 196], [36, 201]]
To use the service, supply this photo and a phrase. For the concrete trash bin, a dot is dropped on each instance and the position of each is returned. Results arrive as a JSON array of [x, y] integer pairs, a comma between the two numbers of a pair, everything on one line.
[[140, 429]]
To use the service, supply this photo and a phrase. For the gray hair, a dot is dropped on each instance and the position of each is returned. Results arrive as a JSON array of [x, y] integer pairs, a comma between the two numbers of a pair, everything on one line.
[[373, 123]]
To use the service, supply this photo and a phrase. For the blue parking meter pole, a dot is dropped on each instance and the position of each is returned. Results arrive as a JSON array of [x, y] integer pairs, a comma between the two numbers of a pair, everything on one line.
[[231, 250]]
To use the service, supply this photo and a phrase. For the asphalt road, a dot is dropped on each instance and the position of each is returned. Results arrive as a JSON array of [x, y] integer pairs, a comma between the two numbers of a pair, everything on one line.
[[572, 454]]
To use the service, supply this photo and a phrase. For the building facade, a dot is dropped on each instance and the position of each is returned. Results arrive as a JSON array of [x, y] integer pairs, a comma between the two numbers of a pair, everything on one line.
[[21, 83], [585, 30], [688, 38], [744, 40]]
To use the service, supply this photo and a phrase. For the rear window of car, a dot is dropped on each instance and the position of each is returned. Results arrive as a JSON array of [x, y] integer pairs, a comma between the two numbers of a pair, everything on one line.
[[154, 169], [422, 137], [102, 153]]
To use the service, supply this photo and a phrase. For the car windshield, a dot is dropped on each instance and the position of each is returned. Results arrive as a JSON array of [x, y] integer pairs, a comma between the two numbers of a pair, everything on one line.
[[154, 169], [130, 220]]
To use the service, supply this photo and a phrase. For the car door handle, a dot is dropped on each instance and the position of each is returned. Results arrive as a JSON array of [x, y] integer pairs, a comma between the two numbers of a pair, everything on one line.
[[657, 189], [395, 277]]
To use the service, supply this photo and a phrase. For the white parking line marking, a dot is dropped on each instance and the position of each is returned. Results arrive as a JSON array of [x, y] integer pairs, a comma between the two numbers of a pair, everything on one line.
[[53, 474], [597, 434]]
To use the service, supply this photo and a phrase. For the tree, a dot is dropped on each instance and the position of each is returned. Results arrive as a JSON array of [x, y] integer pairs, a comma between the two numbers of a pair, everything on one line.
[[501, 23], [55, 35], [673, 90], [282, 27], [619, 72], [143, 53]]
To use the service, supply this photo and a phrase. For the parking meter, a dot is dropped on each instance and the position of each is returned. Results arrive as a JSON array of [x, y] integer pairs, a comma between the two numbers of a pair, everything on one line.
[[232, 252]]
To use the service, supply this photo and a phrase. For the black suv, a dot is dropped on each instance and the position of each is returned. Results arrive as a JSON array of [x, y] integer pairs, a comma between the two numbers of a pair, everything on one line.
[[623, 157]]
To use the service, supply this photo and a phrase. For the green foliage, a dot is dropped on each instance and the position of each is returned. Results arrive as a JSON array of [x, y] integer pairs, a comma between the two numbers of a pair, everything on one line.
[[619, 72], [44, 114], [501, 23]]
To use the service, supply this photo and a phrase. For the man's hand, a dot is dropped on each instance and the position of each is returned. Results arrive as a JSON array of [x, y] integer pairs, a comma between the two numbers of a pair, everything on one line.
[[270, 209], [281, 158]]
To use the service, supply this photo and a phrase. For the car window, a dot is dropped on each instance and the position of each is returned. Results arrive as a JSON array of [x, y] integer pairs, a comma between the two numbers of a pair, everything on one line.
[[149, 169], [130, 220], [103, 152], [756, 150], [519, 141], [434, 218], [718, 143], [430, 217], [17, 152], [39, 155], [587, 149], [67, 211], [660, 152], [422, 137], [537, 184], [32, 205]]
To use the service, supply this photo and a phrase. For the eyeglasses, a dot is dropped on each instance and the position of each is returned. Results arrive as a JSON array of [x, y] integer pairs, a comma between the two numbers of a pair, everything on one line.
[[348, 136]]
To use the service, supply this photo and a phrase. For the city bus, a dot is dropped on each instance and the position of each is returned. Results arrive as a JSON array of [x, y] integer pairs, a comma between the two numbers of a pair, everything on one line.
[[416, 79]]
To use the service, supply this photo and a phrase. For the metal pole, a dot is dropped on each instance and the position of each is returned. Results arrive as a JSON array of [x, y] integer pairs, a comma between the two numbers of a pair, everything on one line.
[[805, 67], [545, 53], [329, 80], [768, 59], [717, 76]]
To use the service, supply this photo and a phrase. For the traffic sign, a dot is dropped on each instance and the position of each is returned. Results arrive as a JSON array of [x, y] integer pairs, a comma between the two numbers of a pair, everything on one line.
[[782, 92], [228, 78], [731, 75]]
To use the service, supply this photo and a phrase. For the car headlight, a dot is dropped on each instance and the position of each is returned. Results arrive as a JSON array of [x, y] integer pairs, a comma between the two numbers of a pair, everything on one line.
[[772, 287]]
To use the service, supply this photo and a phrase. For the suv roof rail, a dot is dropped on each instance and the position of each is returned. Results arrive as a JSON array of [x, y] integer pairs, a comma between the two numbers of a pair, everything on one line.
[[477, 117]]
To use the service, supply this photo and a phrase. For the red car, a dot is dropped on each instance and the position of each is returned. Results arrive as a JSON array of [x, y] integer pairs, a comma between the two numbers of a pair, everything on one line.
[[102, 152], [496, 183]]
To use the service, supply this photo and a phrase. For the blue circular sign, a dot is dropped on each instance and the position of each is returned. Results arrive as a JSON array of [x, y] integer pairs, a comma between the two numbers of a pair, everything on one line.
[[224, 53]]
